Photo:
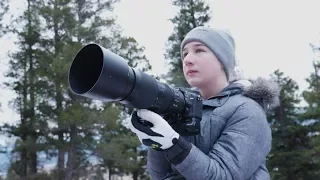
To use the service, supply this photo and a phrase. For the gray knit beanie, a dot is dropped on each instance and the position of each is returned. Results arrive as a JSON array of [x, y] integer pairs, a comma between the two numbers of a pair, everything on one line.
[[219, 41]]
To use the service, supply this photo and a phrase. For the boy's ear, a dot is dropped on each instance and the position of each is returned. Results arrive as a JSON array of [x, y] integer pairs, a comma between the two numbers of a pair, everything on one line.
[[222, 68]]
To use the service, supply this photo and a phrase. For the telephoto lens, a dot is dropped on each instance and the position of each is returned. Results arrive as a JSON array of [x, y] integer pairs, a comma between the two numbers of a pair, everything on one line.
[[100, 74]]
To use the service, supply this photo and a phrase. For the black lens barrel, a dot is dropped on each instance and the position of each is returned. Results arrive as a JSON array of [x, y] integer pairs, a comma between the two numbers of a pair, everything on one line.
[[98, 73]]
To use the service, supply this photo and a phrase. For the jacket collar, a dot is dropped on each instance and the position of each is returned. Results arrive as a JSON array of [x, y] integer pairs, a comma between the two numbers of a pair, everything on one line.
[[221, 98], [265, 92]]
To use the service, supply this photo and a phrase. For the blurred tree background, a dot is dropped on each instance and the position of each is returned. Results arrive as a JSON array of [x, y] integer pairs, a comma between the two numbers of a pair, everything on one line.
[[86, 139]]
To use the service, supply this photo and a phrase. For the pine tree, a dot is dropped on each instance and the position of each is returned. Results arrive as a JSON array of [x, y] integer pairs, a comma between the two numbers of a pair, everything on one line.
[[23, 80], [121, 153], [128, 48], [312, 116], [71, 24], [57, 24], [312, 95], [4, 7], [290, 141], [131, 146], [286, 113], [72, 28], [73, 125], [192, 13]]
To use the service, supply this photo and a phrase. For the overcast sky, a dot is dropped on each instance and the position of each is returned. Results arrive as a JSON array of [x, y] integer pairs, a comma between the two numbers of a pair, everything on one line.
[[269, 35]]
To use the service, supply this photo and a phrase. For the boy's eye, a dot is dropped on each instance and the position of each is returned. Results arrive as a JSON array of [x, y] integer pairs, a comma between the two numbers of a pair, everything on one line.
[[184, 54], [199, 50]]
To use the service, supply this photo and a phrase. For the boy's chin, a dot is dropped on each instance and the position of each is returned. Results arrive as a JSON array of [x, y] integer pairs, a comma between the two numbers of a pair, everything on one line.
[[194, 83]]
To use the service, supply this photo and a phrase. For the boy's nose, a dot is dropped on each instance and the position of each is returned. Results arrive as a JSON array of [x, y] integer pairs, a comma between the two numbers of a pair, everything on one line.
[[189, 59]]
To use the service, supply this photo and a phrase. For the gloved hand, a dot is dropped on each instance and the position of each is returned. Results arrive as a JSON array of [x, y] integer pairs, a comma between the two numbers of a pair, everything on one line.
[[160, 136]]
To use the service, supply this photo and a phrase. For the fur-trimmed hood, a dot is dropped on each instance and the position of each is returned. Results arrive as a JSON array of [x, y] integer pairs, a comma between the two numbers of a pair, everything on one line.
[[264, 91]]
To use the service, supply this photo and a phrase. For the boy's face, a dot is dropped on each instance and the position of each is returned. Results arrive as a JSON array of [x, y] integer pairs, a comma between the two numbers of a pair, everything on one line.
[[201, 68]]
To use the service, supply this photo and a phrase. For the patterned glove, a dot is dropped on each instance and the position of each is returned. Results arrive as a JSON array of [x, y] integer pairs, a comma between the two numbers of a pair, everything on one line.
[[158, 135]]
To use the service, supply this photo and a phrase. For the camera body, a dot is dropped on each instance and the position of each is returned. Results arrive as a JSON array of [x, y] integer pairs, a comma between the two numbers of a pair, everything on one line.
[[187, 122], [98, 73]]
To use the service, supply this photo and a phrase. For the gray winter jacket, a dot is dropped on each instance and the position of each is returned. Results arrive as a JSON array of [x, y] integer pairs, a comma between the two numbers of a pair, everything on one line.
[[234, 141]]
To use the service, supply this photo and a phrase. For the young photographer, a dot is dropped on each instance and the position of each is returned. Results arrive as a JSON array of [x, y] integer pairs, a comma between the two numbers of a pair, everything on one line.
[[235, 136]]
